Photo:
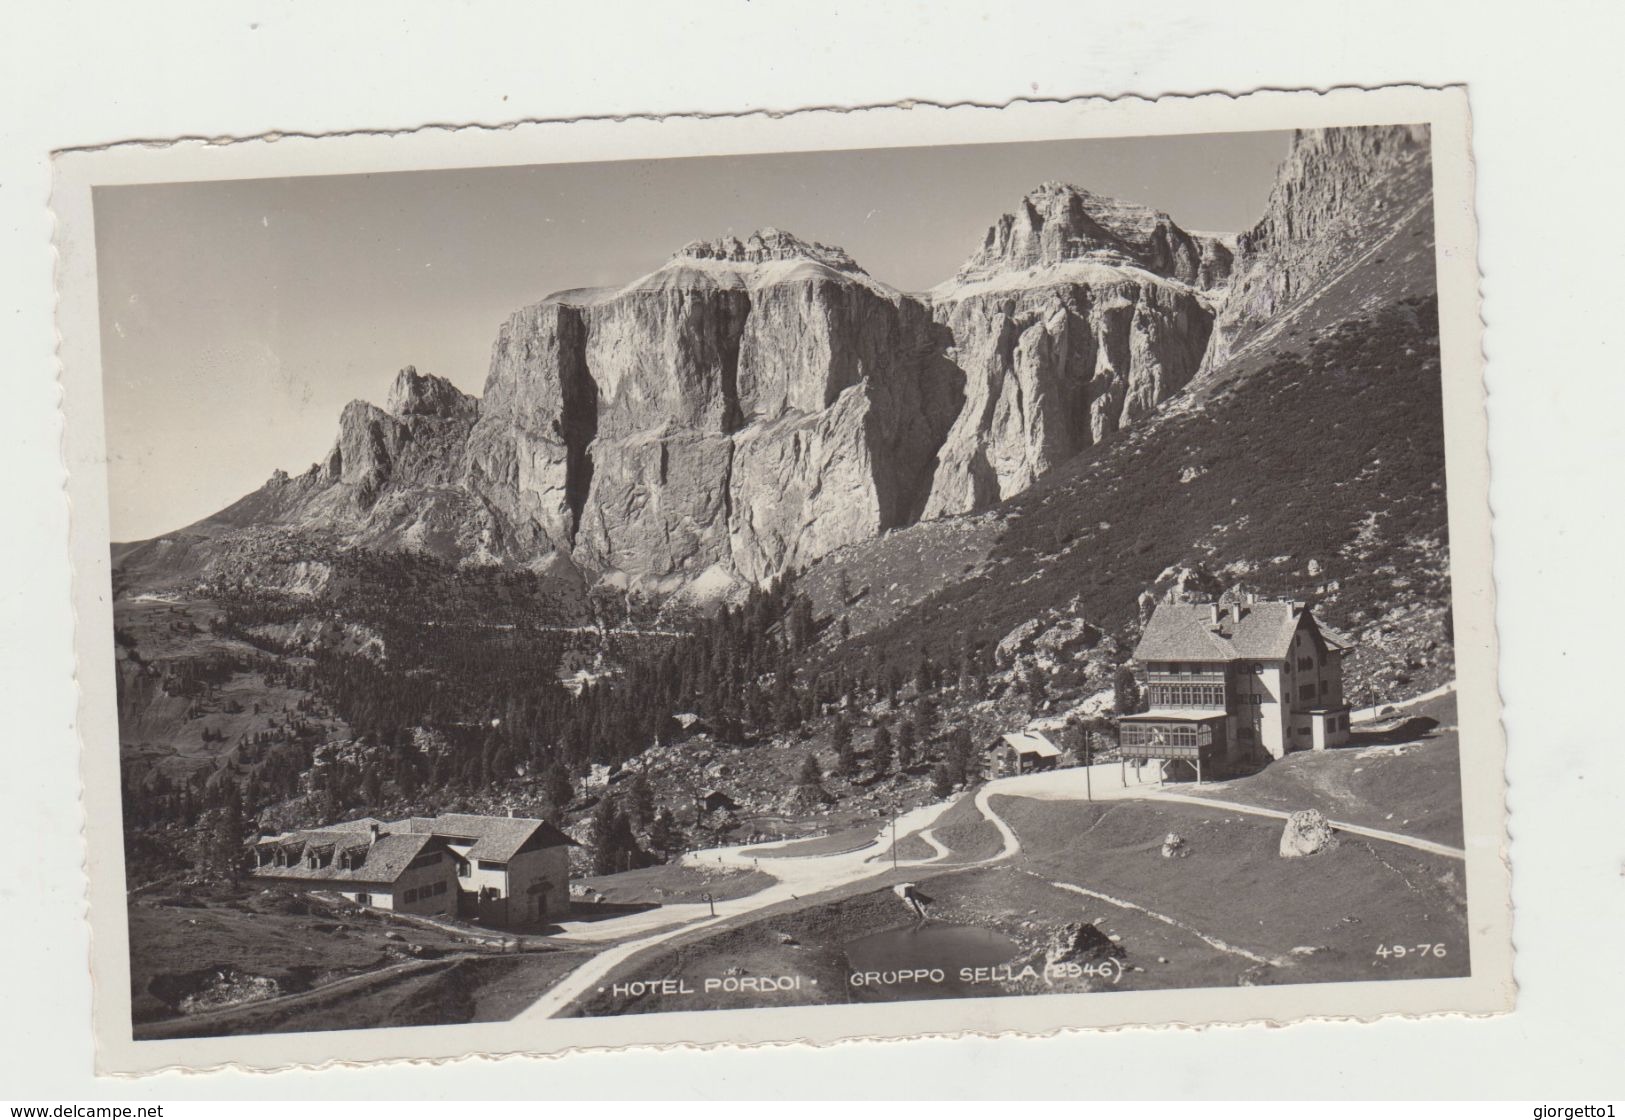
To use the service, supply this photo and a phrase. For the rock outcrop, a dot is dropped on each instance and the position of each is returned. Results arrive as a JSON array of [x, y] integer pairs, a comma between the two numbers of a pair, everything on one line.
[[393, 479], [1340, 197], [1307, 833], [1081, 942], [1078, 315]]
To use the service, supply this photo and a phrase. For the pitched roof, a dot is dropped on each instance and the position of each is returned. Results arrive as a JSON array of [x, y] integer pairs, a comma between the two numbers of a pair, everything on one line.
[[385, 858], [1186, 632], [1179, 715], [1030, 742], [495, 838]]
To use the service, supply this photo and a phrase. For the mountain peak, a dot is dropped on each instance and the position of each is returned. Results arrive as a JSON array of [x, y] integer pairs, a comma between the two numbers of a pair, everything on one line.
[[768, 244], [1057, 223], [425, 394]]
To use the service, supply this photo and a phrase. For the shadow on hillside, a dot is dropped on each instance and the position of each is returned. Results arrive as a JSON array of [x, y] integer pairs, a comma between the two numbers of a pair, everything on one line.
[[599, 911], [1411, 730]]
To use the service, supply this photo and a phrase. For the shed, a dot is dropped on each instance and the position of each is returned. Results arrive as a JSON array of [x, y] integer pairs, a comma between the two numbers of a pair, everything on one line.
[[1025, 752], [711, 800]]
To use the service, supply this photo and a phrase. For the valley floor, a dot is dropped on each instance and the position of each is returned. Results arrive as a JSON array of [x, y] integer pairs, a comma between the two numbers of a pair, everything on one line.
[[1018, 859], [1026, 856]]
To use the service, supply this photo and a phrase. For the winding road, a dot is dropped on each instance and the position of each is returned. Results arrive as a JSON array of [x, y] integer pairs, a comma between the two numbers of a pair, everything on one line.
[[797, 878], [805, 876]]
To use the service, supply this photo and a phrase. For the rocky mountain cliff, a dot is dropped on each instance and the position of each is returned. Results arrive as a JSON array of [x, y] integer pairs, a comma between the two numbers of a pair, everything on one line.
[[753, 405], [1344, 199], [739, 411], [1078, 315]]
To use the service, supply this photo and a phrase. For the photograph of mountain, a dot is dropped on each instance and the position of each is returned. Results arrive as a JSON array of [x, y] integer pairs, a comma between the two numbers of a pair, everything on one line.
[[1001, 586]]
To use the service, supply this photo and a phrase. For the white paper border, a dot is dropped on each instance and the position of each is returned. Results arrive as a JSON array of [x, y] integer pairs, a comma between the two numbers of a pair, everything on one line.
[[1488, 990]]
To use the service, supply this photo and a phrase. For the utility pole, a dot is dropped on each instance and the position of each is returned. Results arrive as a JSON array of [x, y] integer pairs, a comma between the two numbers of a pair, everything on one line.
[[1088, 757], [894, 840]]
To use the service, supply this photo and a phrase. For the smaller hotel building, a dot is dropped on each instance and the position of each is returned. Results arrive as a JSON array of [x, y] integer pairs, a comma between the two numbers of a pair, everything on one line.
[[1233, 686], [500, 870]]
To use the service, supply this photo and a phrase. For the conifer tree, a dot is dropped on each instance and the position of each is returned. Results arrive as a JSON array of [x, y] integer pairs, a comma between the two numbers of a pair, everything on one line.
[[641, 799], [841, 740], [880, 751], [1126, 691], [907, 741], [665, 836], [811, 778], [606, 835]]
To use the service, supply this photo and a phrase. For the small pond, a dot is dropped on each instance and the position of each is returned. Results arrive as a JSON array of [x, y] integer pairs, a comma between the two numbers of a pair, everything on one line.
[[923, 961]]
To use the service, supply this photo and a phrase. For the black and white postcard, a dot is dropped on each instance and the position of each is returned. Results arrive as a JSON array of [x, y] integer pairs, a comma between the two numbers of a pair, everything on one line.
[[754, 579]]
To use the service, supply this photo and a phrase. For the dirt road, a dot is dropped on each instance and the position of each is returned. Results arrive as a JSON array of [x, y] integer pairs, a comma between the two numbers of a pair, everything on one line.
[[810, 875], [797, 878]]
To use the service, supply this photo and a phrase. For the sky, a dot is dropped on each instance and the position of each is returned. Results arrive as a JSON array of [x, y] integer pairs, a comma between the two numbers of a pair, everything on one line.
[[239, 317]]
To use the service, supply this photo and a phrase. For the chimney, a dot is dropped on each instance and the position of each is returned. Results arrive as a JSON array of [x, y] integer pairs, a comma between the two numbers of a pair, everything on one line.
[[510, 811], [1235, 612], [1213, 613], [373, 830]]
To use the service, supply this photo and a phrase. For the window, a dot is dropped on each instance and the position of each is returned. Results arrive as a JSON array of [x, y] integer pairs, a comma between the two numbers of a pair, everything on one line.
[[1325, 687], [462, 868], [1182, 696], [364, 898], [1172, 734], [492, 865], [410, 896], [1307, 692]]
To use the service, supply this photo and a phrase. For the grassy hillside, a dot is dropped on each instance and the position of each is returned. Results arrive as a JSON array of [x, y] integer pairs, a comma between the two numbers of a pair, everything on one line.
[[1321, 476], [1402, 774]]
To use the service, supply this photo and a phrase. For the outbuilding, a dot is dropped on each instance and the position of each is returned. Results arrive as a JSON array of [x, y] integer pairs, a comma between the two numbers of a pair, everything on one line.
[[1026, 752]]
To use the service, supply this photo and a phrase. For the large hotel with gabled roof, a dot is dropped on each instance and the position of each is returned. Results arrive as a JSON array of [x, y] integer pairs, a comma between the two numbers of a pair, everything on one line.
[[1231, 686]]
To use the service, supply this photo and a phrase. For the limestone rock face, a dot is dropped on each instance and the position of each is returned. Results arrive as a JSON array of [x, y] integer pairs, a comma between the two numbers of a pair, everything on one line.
[[393, 478], [755, 404], [745, 408], [1050, 371], [1058, 222], [1340, 194], [1079, 315], [527, 455]]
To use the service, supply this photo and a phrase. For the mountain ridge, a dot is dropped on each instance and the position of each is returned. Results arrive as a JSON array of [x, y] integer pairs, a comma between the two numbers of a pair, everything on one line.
[[756, 404]]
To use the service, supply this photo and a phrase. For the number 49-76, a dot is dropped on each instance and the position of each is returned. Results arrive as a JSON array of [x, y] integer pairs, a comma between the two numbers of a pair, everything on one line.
[[1400, 952]]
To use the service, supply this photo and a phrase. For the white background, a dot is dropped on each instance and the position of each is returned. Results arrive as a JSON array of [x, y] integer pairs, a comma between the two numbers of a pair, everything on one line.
[[1541, 79]]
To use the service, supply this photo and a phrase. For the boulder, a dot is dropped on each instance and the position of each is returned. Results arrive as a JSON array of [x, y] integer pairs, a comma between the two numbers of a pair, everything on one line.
[[1174, 846], [1307, 833], [1017, 641], [1066, 639], [1081, 941]]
